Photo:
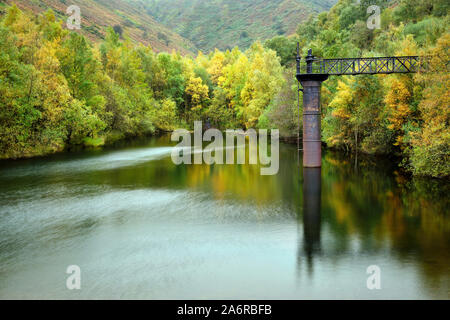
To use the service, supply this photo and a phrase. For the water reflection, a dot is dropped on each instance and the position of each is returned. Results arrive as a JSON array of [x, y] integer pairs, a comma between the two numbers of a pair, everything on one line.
[[142, 227], [312, 188]]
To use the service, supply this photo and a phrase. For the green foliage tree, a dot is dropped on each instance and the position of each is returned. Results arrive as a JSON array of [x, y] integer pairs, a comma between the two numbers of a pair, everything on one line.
[[284, 47]]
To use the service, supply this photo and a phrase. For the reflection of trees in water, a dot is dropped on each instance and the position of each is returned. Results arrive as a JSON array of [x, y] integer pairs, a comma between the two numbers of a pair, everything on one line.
[[379, 206], [373, 202]]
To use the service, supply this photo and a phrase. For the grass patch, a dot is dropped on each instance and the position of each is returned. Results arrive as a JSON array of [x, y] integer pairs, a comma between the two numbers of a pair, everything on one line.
[[94, 142]]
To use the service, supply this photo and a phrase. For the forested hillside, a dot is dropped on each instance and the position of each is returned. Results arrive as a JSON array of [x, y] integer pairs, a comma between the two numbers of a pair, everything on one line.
[[224, 24], [127, 17], [57, 89], [405, 115]]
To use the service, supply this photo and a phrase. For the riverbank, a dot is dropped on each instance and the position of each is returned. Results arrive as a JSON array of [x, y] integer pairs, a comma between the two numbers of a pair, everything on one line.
[[117, 139], [108, 140]]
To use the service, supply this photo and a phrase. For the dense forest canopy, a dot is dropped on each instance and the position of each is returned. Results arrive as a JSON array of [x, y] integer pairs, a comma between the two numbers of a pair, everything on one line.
[[58, 89]]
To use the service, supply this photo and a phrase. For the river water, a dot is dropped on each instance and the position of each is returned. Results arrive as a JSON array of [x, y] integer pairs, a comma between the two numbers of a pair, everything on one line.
[[140, 227]]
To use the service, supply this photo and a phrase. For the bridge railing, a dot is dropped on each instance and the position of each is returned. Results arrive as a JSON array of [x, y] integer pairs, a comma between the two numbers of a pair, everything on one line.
[[355, 66]]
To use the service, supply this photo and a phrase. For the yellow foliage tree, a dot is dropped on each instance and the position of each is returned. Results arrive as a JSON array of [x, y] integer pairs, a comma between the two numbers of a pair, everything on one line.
[[431, 146], [264, 81], [216, 66], [53, 90], [342, 100], [198, 93], [397, 100], [340, 107]]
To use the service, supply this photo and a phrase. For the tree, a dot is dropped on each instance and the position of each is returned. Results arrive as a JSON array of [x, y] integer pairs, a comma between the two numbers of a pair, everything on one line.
[[78, 66], [285, 48], [217, 63], [197, 93], [263, 82], [165, 117], [430, 153]]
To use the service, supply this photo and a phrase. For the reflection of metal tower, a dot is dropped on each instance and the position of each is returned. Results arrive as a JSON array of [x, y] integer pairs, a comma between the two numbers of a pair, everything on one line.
[[312, 186], [315, 71]]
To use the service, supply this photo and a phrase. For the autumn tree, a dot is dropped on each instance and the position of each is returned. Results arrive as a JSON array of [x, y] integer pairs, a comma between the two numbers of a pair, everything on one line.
[[430, 154]]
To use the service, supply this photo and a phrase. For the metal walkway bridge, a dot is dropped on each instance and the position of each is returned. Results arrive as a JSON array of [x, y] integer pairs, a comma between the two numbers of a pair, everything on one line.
[[355, 66]]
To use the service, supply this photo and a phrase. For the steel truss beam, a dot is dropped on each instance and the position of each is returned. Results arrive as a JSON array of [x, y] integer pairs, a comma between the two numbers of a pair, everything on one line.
[[355, 66]]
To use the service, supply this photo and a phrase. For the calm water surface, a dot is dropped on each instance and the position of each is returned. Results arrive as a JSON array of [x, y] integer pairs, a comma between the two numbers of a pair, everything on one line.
[[140, 227]]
